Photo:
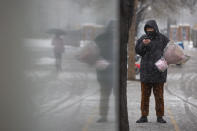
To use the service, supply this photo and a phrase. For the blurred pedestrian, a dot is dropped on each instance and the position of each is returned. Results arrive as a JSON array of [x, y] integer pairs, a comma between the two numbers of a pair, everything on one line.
[[105, 68], [58, 49], [151, 48]]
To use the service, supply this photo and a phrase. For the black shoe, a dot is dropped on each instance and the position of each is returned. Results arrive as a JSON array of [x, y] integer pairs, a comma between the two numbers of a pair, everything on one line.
[[161, 120], [142, 119], [102, 120]]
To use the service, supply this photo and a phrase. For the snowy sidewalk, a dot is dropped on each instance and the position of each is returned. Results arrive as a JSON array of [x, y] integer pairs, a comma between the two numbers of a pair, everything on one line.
[[134, 98]]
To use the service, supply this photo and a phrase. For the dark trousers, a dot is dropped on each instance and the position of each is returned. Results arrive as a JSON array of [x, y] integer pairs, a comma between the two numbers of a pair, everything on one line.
[[146, 89], [106, 89], [105, 93], [58, 61]]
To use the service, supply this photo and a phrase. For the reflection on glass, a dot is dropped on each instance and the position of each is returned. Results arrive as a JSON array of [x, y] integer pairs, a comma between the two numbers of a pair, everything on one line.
[[70, 48]]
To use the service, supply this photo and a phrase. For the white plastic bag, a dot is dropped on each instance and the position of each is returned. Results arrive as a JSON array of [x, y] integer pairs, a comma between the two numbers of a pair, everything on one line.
[[102, 64], [89, 53], [185, 59], [173, 53], [161, 65]]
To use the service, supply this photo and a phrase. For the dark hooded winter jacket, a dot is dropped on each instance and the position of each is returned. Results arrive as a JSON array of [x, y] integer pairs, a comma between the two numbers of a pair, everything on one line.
[[105, 44], [150, 54]]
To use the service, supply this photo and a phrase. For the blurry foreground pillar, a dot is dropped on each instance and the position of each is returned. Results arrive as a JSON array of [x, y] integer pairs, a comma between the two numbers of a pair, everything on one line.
[[126, 12]]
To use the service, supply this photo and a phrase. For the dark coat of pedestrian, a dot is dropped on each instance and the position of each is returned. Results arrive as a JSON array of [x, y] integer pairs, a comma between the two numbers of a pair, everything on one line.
[[150, 54], [105, 44]]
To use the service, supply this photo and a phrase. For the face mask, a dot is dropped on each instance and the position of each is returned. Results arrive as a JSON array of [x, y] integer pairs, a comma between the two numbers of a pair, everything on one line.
[[151, 33]]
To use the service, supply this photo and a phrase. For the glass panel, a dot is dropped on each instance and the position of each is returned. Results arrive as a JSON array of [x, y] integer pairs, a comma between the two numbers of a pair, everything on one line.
[[59, 65]]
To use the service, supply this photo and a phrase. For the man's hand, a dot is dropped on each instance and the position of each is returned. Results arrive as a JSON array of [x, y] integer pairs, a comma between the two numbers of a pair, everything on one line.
[[146, 41]]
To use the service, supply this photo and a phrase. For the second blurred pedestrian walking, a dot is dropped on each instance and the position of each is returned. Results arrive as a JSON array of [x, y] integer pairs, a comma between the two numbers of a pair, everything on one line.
[[58, 49]]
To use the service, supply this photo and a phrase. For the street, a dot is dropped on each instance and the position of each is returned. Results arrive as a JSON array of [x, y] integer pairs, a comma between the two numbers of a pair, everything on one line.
[[65, 101], [69, 100]]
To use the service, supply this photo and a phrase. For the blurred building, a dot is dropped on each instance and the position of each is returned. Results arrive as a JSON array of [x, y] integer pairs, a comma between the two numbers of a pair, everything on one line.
[[180, 32], [84, 32], [90, 31], [194, 35], [173, 32], [184, 33]]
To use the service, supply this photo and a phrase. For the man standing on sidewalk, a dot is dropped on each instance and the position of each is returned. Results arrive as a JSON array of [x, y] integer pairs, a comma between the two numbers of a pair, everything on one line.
[[151, 47]]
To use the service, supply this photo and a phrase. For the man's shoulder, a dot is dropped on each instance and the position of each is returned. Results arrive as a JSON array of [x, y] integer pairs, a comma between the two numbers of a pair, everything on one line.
[[163, 36]]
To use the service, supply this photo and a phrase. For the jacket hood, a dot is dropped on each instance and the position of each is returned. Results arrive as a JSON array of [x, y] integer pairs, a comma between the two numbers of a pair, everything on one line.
[[153, 24]]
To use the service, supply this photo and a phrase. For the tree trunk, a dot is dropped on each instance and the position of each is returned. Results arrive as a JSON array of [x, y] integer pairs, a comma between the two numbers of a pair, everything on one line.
[[126, 12], [131, 45]]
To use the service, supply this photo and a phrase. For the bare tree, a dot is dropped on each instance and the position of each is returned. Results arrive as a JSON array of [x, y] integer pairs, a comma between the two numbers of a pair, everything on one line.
[[131, 45], [162, 8]]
